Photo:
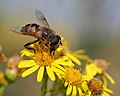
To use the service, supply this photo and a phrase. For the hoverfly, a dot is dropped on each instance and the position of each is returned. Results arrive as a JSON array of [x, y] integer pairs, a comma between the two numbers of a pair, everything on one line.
[[43, 33]]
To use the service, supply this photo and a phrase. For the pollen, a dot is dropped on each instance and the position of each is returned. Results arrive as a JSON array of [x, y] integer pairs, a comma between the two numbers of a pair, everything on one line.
[[95, 86], [73, 76], [43, 58]]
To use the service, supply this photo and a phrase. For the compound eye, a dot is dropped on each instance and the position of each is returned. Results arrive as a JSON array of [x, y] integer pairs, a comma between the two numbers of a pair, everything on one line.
[[55, 40]]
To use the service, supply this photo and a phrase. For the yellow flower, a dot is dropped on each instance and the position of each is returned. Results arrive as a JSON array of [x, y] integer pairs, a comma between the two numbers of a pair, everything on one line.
[[97, 88], [74, 56], [93, 69], [80, 55], [75, 81], [43, 61]]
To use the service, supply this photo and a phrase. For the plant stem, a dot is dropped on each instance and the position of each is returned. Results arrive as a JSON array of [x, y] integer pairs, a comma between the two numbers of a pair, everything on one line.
[[57, 87], [44, 84]]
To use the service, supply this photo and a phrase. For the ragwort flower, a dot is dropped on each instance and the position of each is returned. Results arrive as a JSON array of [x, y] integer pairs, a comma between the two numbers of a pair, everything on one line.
[[98, 67], [74, 56], [12, 71], [97, 88], [75, 81], [43, 61]]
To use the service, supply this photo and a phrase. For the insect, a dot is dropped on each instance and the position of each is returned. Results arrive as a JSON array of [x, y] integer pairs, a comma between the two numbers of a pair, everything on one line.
[[44, 34]]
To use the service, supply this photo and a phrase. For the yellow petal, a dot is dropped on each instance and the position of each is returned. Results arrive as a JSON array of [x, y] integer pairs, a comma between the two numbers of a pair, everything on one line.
[[69, 90], [59, 76], [109, 77], [40, 74], [105, 94], [91, 69], [80, 51], [65, 61], [89, 93], [27, 53], [104, 80], [86, 77], [62, 38], [50, 73], [65, 84], [56, 70], [26, 63], [84, 86], [79, 91], [30, 71], [108, 90], [72, 57], [82, 56], [59, 49], [74, 92], [58, 66]]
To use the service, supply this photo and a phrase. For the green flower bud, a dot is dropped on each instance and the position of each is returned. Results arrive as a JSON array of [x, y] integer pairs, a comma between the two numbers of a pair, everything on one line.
[[11, 75]]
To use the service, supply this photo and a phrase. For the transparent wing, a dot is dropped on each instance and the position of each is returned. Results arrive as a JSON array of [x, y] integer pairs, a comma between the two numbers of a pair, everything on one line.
[[16, 29], [41, 18]]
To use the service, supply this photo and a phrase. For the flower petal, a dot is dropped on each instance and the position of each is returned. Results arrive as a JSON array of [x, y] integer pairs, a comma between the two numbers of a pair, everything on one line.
[[58, 66], [82, 56], [86, 77], [40, 74], [72, 57], [108, 90], [109, 77], [105, 94], [56, 70], [104, 80], [84, 86], [74, 92], [59, 76], [27, 53], [80, 51], [59, 49], [50, 73], [26, 63], [69, 90], [65, 61], [91, 69], [79, 91], [65, 84], [30, 71]]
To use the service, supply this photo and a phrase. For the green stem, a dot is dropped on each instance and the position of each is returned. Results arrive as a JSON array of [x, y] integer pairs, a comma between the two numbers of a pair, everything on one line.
[[44, 84], [57, 87]]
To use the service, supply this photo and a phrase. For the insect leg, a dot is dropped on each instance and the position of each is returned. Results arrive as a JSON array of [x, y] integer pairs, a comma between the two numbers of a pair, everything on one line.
[[27, 45], [52, 50]]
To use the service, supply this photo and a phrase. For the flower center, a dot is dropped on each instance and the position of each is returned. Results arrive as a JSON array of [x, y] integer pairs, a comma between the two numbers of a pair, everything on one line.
[[43, 58], [95, 86], [73, 76]]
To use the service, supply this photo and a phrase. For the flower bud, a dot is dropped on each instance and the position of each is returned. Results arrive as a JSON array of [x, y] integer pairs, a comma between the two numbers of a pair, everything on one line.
[[11, 75]]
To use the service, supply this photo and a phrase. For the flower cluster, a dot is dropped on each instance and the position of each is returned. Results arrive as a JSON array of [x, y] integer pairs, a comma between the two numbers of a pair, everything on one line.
[[11, 72], [90, 82]]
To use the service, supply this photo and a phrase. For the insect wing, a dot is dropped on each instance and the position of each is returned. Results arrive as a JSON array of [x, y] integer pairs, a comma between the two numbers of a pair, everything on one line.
[[41, 18]]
